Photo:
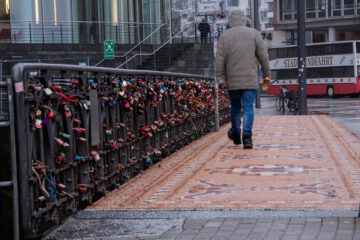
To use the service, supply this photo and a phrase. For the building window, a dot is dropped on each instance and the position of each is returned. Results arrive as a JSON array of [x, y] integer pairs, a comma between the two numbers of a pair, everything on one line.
[[321, 8], [336, 8], [271, 6], [310, 9], [233, 3], [349, 7], [288, 9]]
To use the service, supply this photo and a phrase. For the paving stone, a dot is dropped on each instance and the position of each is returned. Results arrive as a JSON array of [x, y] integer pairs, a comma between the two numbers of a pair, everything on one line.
[[261, 227], [290, 237], [213, 224], [190, 231], [227, 228], [325, 236], [256, 235], [248, 220], [313, 220], [231, 223], [238, 237], [204, 235], [221, 235], [297, 220], [185, 237]]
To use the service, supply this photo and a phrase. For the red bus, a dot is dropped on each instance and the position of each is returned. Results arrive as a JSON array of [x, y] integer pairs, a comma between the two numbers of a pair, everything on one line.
[[332, 68]]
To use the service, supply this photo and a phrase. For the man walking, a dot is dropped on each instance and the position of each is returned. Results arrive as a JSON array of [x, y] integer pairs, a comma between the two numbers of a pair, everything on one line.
[[204, 29], [238, 52]]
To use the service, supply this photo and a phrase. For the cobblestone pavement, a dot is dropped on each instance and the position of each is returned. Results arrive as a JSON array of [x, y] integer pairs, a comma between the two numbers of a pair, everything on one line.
[[301, 181]]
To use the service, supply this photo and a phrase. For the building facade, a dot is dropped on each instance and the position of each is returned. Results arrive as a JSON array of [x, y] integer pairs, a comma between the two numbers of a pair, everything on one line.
[[90, 21], [326, 20]]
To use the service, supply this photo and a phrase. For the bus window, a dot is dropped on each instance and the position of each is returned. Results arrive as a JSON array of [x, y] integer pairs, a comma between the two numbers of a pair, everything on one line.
[[274, 74], [287, 74], [282, 52], [358, 71], [272, 54], [313, 51], [358, 47], [349, 71], [342, 48], [292, 52]]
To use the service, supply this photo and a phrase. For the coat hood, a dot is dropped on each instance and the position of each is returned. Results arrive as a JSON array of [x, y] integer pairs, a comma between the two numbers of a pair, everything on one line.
[[238, 18]]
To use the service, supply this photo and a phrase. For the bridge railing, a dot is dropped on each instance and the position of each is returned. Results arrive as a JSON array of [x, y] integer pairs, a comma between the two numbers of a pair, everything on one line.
[[82, 130]]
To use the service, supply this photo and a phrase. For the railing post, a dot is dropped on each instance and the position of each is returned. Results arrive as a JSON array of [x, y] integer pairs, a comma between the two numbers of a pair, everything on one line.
[[72, 33], [116, 32], [43, 32], [30, 32], [154, 58], [61, 33], [140, 55]]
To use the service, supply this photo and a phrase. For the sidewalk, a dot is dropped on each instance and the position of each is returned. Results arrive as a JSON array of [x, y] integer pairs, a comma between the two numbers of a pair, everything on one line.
[[301, 181]]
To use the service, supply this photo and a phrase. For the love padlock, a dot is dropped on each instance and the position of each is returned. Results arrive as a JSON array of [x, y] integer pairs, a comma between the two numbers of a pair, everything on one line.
[[82, 188], [67, 111], [76, 121], [81, 139], [80, 159], [146, 158], [61, 143], [79, 130], [146, 131], [64, 135], [38, 124], [95, 155], [47, 92]]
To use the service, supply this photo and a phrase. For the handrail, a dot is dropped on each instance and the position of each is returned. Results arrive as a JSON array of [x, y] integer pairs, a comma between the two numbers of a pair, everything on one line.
[[149, 54], [57, 22], [125, 54]]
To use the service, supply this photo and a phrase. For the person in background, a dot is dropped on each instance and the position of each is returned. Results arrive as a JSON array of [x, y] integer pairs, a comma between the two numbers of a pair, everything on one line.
[[204, 29], [238, 53]]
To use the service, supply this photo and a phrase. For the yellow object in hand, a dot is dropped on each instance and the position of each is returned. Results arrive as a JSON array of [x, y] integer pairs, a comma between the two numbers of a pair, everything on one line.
[[266, 83]]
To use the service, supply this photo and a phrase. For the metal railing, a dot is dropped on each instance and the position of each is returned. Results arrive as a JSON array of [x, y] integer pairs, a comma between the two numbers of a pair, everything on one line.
[[8, 180], [136, 57], [75, 32], [81, 130], [147, 40]]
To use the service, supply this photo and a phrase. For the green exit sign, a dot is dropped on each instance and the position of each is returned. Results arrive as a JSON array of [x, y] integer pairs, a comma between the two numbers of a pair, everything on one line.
[[109, 51]]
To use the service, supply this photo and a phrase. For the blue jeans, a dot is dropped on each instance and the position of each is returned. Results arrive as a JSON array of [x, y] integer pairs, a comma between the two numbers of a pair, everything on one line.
[[239, 99]]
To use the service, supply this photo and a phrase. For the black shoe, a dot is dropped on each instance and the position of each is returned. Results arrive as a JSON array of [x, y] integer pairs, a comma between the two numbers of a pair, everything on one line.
[[247, 142], [235, 137]]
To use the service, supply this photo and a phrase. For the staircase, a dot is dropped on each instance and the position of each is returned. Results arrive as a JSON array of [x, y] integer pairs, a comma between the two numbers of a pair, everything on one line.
[[197, 58], [164, 57]]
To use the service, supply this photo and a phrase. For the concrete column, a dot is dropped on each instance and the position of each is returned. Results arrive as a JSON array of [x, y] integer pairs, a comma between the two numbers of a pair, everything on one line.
[[331, 34]]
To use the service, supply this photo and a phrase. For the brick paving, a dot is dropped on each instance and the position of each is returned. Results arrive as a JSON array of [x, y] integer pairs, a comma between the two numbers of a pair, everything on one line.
[[298, 162], [269, 229]]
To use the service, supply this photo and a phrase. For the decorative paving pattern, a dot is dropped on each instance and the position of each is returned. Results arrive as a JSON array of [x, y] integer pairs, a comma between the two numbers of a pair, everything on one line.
[[298, 162]]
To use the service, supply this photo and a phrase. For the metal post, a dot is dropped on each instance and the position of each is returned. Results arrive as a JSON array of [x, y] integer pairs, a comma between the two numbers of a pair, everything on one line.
[[61, 33], [301, 58], [15, 206], [257, 26], [216, 87], [30, 32]]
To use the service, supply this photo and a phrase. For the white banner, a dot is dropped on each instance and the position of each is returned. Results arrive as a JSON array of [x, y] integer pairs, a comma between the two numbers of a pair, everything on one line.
[[208, 7], [315, 61]]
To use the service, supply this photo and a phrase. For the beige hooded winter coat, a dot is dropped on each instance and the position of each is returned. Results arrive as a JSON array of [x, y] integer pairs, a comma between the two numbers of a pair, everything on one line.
[[238, 53]]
